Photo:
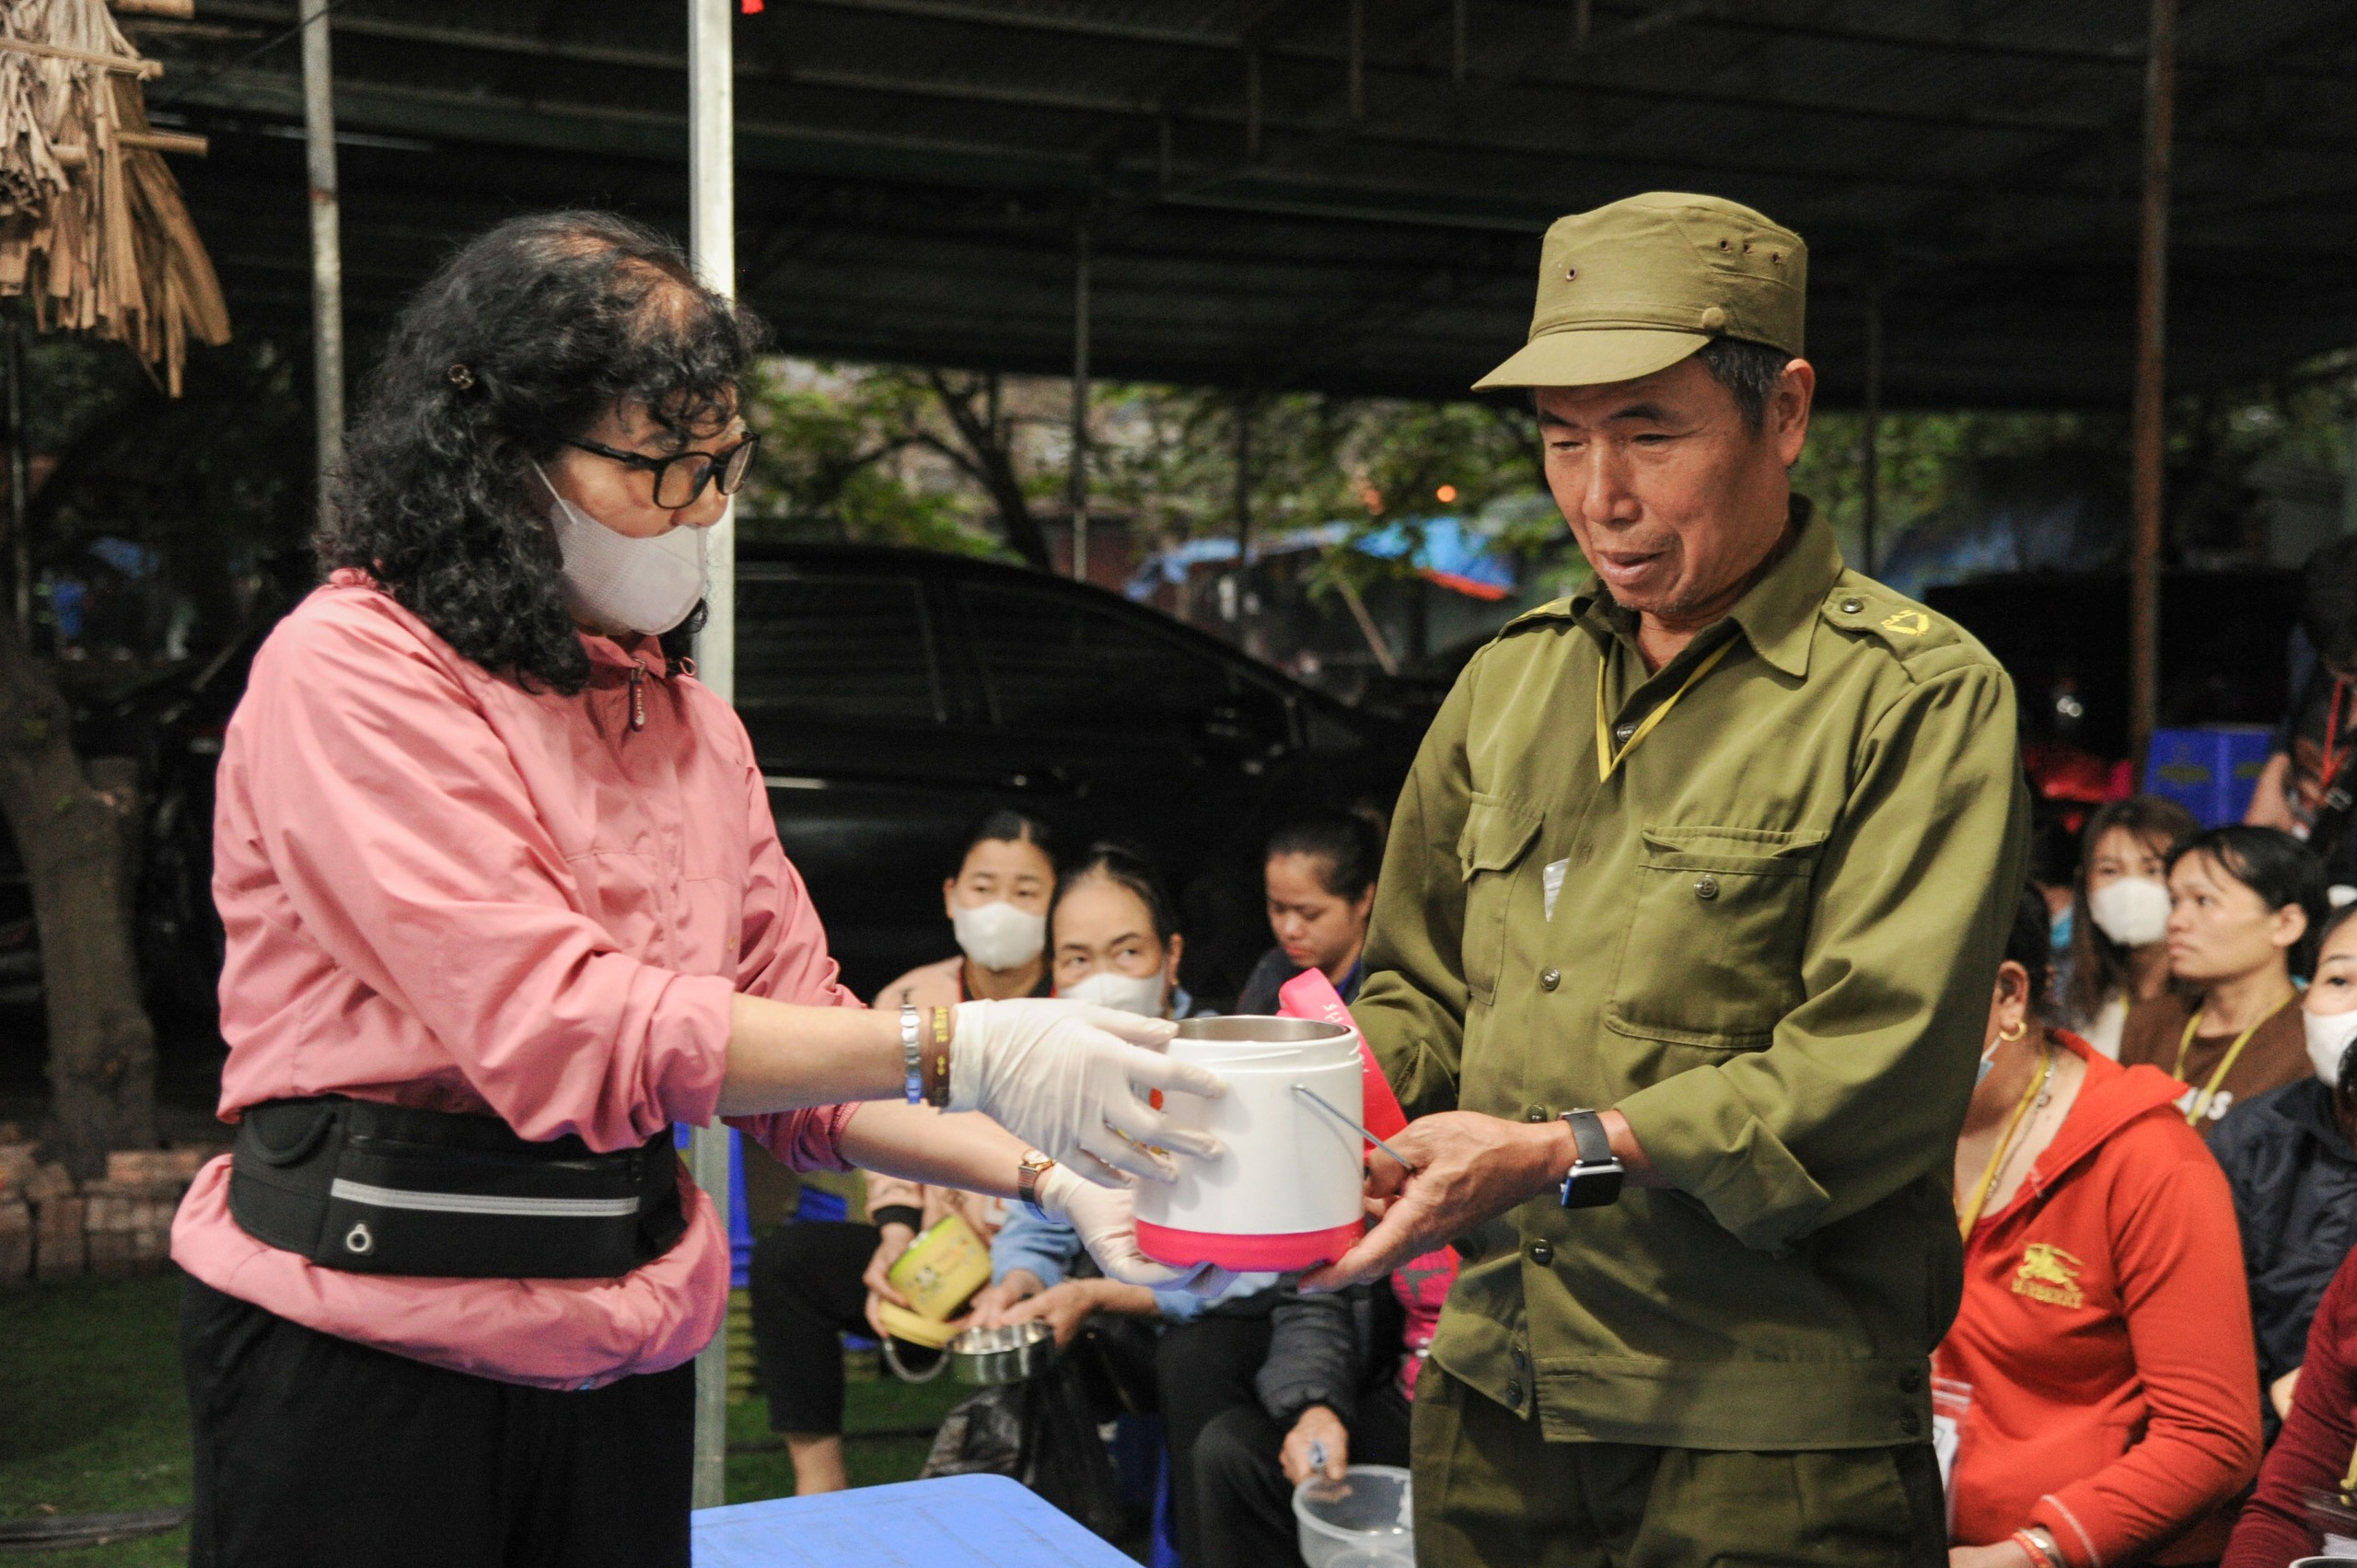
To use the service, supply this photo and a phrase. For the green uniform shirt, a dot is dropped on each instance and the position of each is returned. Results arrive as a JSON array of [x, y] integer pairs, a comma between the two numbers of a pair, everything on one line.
[[1769, 939]]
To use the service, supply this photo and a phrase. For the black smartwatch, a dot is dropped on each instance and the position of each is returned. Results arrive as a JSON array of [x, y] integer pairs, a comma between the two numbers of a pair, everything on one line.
[[1595, 1178]]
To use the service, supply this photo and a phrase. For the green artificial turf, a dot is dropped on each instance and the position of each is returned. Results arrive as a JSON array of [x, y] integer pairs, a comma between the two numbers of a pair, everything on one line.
[[92, 1415], [93, 1418]]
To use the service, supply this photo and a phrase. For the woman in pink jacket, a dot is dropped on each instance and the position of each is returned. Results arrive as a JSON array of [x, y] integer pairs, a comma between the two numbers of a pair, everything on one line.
[[504, 902]]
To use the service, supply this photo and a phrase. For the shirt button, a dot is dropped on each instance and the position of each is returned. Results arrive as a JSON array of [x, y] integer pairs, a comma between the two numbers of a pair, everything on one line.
[[1520, 1359], [1910, 1380], [1911, 1424], [1541, 1253], [1514, 1393], [1535, 1113], [1851, 606], [1549, 979], [1621, 731], [1706, 886]]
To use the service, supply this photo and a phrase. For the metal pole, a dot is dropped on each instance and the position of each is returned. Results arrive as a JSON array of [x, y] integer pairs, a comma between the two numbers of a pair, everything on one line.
[[712, 244], [327, 248], [1872, 465], [21, 544], [2145, 449], [1077, 481]]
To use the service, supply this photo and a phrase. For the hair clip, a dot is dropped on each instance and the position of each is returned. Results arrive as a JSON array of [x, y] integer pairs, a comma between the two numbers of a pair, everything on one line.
[[460, 376]]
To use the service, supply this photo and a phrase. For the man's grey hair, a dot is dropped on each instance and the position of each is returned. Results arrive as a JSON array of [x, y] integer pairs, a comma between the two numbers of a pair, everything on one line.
[[1749, 371]]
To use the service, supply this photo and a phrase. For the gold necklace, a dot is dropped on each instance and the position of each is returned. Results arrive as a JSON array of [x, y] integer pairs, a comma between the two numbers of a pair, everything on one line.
[[2036, 1092]]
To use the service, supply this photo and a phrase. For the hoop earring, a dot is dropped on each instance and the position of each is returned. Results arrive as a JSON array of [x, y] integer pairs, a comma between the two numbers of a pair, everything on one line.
[[2019, 1029]]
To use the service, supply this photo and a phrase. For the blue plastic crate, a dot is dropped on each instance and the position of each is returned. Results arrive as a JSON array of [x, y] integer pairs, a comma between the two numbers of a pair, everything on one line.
[[2211, 771]]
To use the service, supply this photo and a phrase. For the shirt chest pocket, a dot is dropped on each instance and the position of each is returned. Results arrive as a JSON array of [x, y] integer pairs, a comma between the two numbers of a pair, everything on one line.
[[1490, 852], [1711, 955]]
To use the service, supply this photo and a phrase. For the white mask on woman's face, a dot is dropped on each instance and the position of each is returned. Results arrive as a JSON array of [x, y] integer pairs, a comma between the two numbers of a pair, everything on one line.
[[1139, 994], [2328, 1037], [997, 935], [2133, 912], [621, 584]]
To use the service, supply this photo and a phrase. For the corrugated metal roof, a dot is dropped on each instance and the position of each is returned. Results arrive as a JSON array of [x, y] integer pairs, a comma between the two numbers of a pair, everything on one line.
[[912, 171]]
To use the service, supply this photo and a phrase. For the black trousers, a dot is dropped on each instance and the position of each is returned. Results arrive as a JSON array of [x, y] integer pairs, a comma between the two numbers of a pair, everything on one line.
[[805, 1280], [1243, 1498], [1203, 1370], [311, 1449]]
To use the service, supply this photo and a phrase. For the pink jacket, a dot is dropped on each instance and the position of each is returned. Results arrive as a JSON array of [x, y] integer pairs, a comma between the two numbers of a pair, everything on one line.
[[441, 890]]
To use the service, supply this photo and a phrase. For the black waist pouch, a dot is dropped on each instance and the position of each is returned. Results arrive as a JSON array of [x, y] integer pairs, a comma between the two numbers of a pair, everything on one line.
[[386, 1189]]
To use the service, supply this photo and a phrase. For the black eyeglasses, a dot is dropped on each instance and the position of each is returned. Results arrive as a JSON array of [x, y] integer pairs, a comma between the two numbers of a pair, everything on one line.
[[678, 480]]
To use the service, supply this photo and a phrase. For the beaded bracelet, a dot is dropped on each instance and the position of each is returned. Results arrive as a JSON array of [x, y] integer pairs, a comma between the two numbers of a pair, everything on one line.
[[936, 1063]]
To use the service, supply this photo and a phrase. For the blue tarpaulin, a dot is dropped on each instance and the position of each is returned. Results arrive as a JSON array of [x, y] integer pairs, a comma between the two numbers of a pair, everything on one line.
[[1447, 551]]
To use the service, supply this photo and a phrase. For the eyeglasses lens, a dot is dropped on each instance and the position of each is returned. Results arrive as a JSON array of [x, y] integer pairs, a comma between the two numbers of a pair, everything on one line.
[[740, 461], [683, 479]]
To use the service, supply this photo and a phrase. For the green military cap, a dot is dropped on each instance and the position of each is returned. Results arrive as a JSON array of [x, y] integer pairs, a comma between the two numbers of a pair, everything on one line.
[[1636, 286]]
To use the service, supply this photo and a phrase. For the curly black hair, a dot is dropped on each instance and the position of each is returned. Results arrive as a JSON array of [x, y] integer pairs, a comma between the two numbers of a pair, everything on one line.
[[524, 339]]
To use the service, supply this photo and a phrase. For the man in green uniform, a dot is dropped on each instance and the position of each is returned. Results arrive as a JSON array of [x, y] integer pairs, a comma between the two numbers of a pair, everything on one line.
[[1710, 863]]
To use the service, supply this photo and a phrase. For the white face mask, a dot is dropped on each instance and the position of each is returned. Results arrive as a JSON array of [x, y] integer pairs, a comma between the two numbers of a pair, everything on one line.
[[2328, 1037], [998, 936], [2133, 912], [1139, 994], [621, 584]]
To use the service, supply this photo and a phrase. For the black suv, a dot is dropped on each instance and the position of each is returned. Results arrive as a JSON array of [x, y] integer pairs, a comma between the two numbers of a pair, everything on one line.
[[895, 696]]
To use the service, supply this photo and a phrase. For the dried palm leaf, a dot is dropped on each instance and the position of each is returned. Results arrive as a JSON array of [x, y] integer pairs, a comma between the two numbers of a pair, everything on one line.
[[93, 228]]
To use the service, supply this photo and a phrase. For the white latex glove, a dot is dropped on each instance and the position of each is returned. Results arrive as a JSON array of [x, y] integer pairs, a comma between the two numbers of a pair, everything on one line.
[[1060, 1076], [1107, 1221]]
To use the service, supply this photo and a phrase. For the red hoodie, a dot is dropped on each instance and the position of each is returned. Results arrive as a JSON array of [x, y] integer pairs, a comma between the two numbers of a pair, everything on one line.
[[2105, 1334]]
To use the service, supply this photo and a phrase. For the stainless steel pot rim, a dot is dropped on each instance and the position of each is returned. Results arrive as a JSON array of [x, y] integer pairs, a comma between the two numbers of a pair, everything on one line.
[[998, 1340], [1253, 1030]]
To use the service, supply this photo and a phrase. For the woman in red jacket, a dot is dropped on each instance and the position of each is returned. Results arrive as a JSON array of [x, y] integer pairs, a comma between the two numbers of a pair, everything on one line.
[[2105, 1336]]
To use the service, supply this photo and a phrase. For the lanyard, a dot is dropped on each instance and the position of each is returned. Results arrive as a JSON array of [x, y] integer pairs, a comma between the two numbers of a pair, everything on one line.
[[2185, 1043], [1971, 1215], [1605, 759]]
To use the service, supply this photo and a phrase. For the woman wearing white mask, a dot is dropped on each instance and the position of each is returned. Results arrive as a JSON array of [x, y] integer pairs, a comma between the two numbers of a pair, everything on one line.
[[997, 906], [2118, 951], [1116, 940], [2290, 1158], [2245, 907], [1113, 940], [812, 1280], [504, 902]]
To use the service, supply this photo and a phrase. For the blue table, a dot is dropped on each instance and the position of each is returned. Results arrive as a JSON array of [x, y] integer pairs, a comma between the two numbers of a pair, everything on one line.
[[984, 1521]]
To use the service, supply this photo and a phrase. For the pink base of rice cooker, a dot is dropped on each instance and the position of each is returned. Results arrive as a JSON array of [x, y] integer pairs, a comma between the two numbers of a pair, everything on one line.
[[1283, 1192]]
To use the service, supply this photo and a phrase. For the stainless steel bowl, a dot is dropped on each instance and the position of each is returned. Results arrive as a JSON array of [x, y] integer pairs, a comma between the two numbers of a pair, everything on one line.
[[991, 1358]]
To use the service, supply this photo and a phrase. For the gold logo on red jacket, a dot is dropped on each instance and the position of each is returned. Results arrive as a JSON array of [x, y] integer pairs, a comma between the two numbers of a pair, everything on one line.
[[2050, 1274]]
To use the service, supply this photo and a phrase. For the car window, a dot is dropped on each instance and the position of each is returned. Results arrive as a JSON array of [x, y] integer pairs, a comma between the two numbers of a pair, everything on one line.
[[1051, 664], [848, 648]]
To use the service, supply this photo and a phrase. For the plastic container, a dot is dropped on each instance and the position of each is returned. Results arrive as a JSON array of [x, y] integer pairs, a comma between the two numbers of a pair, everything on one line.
[[1365, 1518], [2211, 771], [1284, 1190]]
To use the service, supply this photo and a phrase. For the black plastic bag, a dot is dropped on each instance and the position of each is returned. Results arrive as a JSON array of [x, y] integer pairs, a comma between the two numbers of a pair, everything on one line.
[[1042, 1433]]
